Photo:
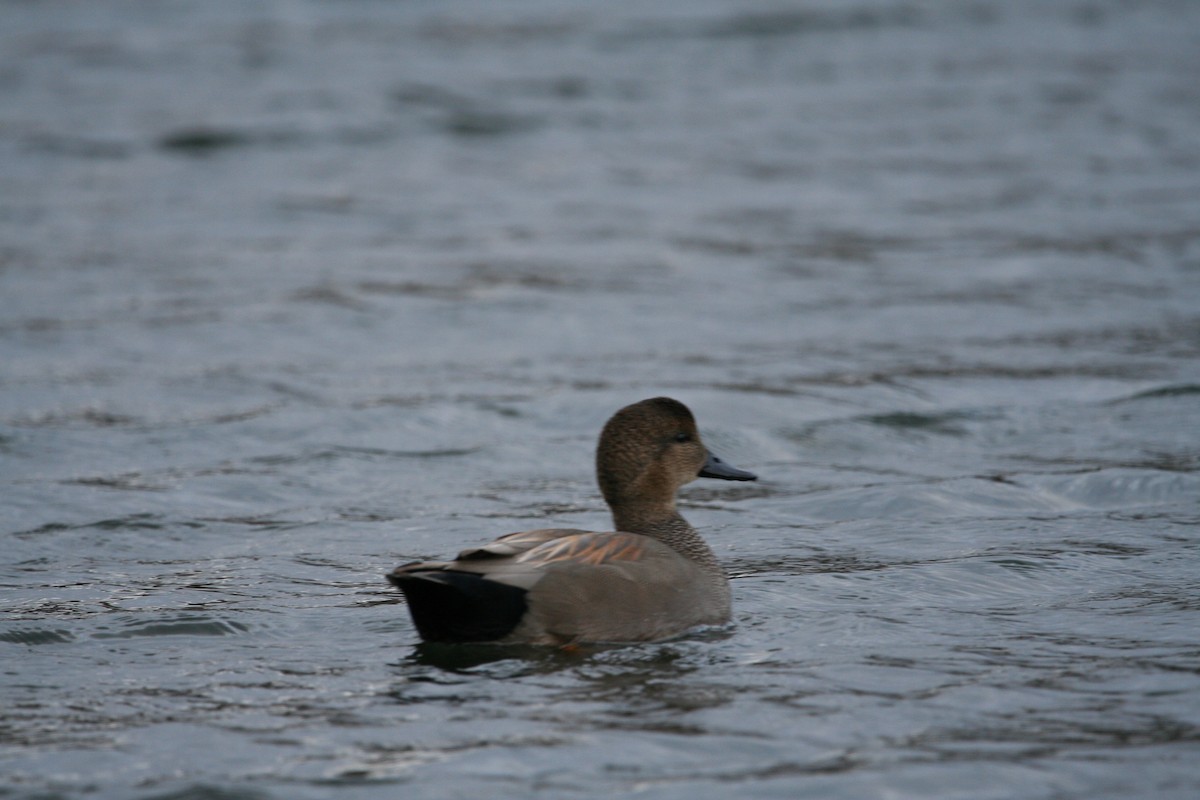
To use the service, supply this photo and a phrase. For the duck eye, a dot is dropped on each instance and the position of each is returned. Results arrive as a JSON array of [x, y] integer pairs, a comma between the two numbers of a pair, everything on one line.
[[683, 437]]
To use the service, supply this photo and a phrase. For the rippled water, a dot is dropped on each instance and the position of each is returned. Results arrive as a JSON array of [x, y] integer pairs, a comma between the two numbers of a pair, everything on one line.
[[296, 291]]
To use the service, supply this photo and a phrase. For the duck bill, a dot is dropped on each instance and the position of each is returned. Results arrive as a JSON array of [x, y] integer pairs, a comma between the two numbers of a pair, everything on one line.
[[716, 468]]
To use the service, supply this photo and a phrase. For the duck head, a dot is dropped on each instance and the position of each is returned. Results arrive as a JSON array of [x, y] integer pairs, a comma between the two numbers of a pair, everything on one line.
[[648, 450]]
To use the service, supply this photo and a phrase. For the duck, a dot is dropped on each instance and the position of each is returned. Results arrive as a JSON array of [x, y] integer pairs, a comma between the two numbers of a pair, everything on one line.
[[651, 578]]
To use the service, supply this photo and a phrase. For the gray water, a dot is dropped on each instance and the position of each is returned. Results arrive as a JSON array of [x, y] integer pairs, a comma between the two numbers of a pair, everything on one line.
[[294, 292]]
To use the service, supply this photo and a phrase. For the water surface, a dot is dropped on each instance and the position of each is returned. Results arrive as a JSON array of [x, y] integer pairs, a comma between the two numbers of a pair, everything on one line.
[[297, 291]]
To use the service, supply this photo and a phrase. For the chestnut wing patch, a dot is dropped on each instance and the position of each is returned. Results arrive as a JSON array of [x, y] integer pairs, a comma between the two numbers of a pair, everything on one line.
[[588, 548], [516, 543]]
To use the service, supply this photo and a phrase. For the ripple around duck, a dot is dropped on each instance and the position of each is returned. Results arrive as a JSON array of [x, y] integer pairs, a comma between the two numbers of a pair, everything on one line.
[[204, 791], [186, 625], [1040, 729], [1122, 487], [980, 581], [131, 522], [36, 636], [944, 423], [937, 499], [1174, 390]]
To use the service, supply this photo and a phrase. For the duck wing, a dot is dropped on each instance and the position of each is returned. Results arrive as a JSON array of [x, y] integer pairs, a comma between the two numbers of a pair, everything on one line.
[[615, 587], [514, 544], [481, 595], [556, 586], [521, 559]]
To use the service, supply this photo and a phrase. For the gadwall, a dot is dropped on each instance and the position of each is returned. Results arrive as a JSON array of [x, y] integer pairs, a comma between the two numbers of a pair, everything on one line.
[[652, 578]]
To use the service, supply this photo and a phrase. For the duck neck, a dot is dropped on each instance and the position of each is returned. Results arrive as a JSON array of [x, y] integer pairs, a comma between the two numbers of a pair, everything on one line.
[[670, 528]]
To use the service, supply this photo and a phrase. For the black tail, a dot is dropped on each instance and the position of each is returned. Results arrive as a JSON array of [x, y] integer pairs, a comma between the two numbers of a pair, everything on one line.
[[460, 606]]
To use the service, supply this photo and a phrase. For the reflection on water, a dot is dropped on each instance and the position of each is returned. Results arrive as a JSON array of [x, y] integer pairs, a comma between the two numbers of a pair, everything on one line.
[[300, 292]]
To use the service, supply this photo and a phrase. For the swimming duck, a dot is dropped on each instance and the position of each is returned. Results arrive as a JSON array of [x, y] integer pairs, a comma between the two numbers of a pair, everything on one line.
[[650, 579]]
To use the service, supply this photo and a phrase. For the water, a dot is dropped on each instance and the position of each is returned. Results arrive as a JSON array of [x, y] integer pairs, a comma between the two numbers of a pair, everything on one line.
[[297, 291]]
